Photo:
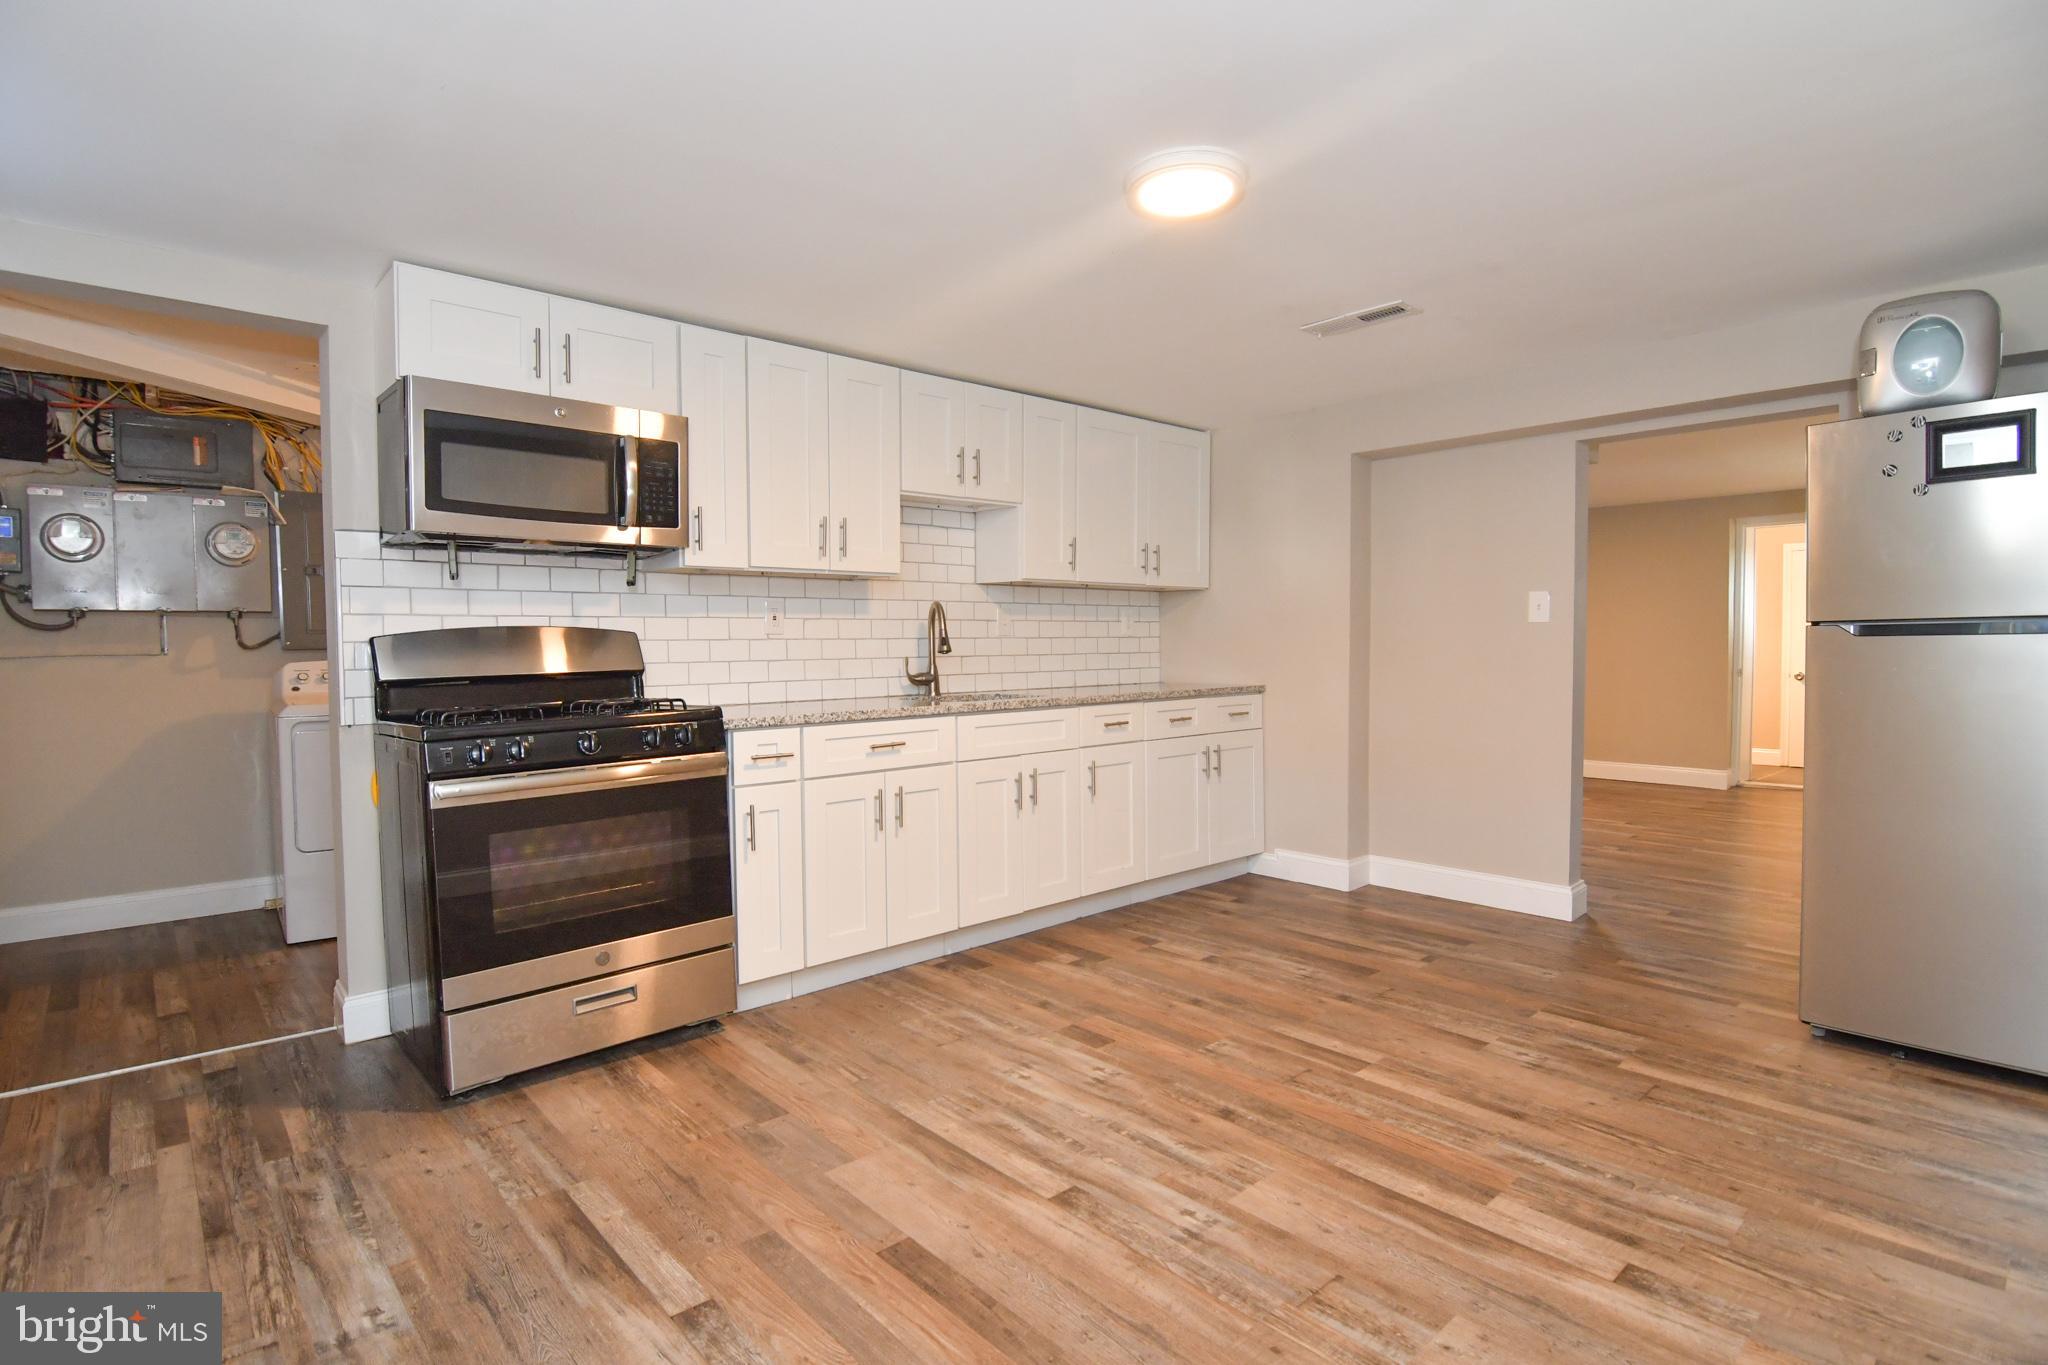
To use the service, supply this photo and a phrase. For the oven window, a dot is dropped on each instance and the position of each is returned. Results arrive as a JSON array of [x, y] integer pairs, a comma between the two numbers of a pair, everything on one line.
[[590, 867], [490, 467]]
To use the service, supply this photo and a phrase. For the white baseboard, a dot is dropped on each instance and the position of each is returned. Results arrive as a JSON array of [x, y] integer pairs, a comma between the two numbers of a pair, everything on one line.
[[767, 991], [1718, 779], [1767, 758], [362, 1017], [21, 923], [1313, 869], [1552, 900]]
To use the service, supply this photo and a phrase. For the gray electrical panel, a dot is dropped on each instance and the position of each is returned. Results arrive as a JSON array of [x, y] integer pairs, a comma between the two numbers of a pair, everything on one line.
[[101, 549], [301, 572]]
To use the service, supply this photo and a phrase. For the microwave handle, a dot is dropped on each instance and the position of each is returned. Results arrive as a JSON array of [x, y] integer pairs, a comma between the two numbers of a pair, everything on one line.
[[627, 482]]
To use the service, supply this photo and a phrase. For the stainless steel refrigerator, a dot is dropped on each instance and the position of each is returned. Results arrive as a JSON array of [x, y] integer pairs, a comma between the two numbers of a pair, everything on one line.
[[1925, 910]]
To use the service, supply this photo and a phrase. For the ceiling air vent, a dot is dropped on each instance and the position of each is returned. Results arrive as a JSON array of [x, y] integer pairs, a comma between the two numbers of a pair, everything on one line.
[[1363, 317]]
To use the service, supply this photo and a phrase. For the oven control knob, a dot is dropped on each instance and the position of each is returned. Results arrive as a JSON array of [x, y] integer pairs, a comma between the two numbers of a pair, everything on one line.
[[586, 743], [650, 738], [515, 749], [479, 753], [686, 735]]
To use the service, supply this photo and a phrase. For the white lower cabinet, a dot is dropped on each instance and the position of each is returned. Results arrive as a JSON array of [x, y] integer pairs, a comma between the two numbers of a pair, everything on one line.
[[768, 879], [1113, 817], [1176, 823], [991, 839], [924, 853], [1053, 797], [846, 867], [1235, 814]]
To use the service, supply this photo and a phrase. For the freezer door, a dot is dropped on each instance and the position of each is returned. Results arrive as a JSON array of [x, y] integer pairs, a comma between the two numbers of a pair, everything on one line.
[[1886, 543], [1925, 914]]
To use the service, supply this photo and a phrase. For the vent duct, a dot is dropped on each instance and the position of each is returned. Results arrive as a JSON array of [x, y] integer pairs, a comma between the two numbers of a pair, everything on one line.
[[1363, 317]]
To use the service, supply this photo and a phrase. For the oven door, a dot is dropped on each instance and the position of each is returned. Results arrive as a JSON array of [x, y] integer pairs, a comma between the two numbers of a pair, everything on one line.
[[546, 877]]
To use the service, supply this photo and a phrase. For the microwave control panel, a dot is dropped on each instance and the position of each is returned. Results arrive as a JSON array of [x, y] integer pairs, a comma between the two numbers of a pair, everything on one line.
[[660, 489]]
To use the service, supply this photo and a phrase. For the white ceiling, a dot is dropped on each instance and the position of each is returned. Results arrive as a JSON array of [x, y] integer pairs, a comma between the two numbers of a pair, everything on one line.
[[941, 185], [1720, 462]]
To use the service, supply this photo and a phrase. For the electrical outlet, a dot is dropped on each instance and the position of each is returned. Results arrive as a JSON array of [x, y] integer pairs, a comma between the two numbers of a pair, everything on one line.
[[1539, 607], [1125, 618], [775, 622]]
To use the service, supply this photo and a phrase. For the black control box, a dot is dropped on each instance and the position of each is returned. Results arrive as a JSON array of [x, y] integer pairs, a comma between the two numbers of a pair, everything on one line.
[[185, 452], [24, 429]]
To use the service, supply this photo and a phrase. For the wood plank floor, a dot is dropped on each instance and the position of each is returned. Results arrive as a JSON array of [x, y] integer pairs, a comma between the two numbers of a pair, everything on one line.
[[1783, 777], [88, 1003], [1254, 1120]]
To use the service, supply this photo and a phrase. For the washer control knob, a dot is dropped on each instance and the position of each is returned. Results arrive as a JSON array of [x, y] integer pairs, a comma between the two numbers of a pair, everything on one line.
[[586, 742]]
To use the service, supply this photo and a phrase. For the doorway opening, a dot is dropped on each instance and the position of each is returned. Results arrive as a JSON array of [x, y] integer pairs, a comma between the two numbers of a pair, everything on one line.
[[1769, 596]]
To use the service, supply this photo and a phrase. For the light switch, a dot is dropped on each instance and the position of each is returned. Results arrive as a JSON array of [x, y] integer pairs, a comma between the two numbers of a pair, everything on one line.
[[1539, 606]]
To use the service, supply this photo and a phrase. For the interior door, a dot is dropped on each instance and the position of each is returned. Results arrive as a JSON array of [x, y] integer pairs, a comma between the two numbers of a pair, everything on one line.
[[991, 829], [1174, 497], [924, 853], [789, 476], [468, 330], [768, 875], [1177, 776], [713, 394], [1113, 824], [846, 878], [934, 436], [608, 355], [1054, 800], [1792, 659], [1106, 524], [995, 442], [1235, 805], [865, 415], [1924, 916]]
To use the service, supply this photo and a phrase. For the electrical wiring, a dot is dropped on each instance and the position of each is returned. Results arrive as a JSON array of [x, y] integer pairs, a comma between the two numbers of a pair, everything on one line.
[[235, 620], [7, 595]]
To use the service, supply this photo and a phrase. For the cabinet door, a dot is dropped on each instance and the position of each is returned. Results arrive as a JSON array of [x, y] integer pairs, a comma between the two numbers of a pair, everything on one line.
[[608, 355], [768, 877], [471, 331], [1174, 497], [846, 879], [1236, 814], [991, 839], [934, 437], [1177, 777], [1106, 522], [924, 853], [1035, 540], [789, 482], [1113, 817], [865, 409], [713, 394], [1054, 794], [995, 445]]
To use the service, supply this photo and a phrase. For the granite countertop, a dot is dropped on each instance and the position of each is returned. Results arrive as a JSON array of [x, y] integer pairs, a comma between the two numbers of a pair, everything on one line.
[[760, 715]]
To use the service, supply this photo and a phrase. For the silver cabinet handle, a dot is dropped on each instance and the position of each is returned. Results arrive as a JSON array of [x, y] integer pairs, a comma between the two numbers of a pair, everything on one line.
[[842, 537], [899, 808], [1144, 554], [605, 1000], [977, 464], [770, 758], [1114, 724], [961, 455], [1034, 786], [1235, 715], [751, 845], [887, 744], [822, 523], [1206, 752], [565, 357], [1219, 760], [536, 353], [1155, 559], [1178, 720], [1091, 777], [878, 810], [1074, 552], [698, 516], [1020, 791]]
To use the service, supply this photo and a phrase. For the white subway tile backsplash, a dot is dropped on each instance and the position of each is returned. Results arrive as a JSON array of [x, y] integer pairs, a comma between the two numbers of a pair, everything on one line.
[[706, 637]]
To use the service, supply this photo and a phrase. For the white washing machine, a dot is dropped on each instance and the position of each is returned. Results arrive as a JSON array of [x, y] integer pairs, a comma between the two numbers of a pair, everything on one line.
[[305, 799]]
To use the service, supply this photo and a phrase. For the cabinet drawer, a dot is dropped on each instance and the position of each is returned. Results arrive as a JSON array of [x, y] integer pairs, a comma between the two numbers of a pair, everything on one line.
[[1005, 734], [876, 746], [1174, 719], [766, 756], [1112, 724], [1222, 714]]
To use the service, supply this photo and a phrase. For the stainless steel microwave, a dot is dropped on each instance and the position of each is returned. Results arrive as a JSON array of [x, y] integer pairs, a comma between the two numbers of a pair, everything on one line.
[[462, 462]]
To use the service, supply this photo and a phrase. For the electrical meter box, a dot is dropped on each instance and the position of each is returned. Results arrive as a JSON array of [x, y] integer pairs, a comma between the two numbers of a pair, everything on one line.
[[70, 535], [188, 452], [101, 549], [231, 552]]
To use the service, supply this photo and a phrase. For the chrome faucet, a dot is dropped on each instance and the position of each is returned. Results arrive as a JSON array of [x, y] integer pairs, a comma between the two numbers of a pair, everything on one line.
[[936, 642]]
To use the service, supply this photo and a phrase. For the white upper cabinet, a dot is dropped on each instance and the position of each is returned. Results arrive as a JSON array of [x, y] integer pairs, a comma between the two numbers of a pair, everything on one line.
[[713, 396], [995, 445], [1107, 523], [1035, 541], [608, 355], [1173, 497], [789, 474], [471, 331], [864, 412]]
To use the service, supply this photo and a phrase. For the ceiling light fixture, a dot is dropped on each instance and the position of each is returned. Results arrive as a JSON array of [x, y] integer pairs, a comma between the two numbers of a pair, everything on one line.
[[1186, 182]]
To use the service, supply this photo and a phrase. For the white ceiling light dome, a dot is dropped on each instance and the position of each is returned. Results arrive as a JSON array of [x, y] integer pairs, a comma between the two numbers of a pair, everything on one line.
[[1186, 182]]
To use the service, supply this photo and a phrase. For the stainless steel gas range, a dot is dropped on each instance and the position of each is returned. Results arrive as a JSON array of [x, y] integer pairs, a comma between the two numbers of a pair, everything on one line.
[[556, 849]]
